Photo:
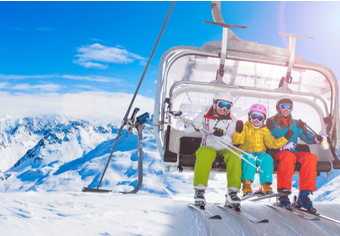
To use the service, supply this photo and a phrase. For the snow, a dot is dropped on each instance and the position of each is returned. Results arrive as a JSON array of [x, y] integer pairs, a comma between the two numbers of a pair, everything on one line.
[[42, 193]]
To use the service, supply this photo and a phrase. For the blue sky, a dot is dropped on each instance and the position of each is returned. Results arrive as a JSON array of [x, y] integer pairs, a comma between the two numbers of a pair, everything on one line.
[[73, 47]]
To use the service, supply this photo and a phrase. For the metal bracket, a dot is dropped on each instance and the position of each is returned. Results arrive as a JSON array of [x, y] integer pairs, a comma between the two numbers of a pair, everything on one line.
[[140, 160], [292, 46], [133, 122], [218, 20]]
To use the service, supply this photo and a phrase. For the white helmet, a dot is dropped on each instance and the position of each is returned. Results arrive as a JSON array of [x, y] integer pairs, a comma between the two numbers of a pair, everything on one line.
[[283, 99], [225, 96]]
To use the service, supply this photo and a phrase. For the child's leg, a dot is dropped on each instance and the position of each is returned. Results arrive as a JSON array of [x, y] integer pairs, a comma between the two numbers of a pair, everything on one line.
[[248, 171], [308, 169], [285, 169], [266, 165], [233, 167], [205, 156]]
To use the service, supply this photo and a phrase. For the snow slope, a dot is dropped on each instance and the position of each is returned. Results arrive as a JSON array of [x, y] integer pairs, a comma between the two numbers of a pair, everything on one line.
[[70, 213], [42, 195]]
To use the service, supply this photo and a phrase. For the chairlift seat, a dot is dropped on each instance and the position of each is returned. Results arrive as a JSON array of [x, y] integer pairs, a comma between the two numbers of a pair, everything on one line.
[[189, 145]]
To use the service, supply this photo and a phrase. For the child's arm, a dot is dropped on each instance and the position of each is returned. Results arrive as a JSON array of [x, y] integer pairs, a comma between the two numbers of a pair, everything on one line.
[[272, 143], [239, 133]]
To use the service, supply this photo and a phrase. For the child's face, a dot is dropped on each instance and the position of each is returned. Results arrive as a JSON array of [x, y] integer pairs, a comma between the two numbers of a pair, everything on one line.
[[220, 111], [256, 122], [285, 112]]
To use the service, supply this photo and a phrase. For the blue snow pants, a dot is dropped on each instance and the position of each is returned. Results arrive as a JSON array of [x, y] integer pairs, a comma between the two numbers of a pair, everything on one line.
[[264, 161]]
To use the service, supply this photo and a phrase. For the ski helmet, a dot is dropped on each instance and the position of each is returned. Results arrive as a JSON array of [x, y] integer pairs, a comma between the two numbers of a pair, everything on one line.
[[225, 96], [257, 112], [283, 100], [258, 108]]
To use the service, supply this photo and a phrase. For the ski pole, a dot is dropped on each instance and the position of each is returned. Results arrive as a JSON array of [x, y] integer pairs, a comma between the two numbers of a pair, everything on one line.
[[187, 121], [326, 144], [217, 139], [232, 146]]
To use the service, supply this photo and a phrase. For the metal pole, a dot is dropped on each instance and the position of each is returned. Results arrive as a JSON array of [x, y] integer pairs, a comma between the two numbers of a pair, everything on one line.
[[135, 94], [140, 160]]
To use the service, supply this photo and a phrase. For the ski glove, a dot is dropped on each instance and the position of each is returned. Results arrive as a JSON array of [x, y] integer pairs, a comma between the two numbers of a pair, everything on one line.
[[218, 132], [198, 126], [239, 126], [220, 128], [270, 124], [289, 134], [320, 138], [300, 124], [289, 146]]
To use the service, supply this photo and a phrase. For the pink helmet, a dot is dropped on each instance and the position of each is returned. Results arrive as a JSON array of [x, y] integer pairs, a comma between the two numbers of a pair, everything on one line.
[[259, 108]]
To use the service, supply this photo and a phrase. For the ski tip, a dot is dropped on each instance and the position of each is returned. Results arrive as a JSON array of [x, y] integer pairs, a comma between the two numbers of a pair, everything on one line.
[[215, 217], [263, 221]]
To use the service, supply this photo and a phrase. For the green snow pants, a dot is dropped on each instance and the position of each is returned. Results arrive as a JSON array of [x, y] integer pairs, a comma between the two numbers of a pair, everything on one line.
[[205, 156]]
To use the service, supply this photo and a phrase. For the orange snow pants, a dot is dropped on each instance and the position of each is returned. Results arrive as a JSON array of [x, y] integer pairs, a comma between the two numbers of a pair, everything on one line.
[[285, 169]]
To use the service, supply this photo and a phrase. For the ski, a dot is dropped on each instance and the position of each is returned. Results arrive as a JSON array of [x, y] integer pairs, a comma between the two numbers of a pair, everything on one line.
[[301, 214], [254, 195], [205, 212], [315, 214], [251, 218], [267, 196]]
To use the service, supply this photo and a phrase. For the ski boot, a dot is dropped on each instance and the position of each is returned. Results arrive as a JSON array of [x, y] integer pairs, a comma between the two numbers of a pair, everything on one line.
[[266, 188], [232, 200], [284, 201], [247, 187], [199, 198], [304, 201], [259, 193]]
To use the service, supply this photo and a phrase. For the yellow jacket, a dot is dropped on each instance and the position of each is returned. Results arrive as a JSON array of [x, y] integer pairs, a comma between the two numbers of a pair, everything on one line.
[[257, 140]]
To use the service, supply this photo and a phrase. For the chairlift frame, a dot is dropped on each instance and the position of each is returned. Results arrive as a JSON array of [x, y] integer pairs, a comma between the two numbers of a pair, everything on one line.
[[232, 48]]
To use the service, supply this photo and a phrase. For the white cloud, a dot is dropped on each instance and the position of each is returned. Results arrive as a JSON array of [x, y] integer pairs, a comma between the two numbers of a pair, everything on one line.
[[88, 64], [4, 85], [44, 87], [105, 106], [96, 54], [95, 78], [45, 29], [88, 87], [2, 76]]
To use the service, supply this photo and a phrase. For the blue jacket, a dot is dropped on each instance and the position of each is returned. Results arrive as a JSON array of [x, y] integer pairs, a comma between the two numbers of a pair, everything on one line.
[[304, 135]]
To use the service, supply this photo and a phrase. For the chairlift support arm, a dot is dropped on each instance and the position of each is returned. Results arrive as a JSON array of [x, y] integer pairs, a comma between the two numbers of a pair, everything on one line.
[[218, 20], [292, 46]]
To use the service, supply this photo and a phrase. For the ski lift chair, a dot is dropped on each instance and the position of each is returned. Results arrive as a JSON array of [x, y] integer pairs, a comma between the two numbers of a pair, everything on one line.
[[188, 78]]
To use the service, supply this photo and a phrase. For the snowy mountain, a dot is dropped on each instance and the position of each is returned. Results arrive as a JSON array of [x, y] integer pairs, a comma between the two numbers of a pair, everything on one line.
[[60, 156]]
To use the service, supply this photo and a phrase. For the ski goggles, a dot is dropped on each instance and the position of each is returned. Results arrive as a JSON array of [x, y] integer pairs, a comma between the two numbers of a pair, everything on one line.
[[257, 116], [284, 106], [224, 105]]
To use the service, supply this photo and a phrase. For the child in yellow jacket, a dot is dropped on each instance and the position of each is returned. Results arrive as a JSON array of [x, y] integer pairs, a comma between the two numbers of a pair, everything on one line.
[[254, 137]]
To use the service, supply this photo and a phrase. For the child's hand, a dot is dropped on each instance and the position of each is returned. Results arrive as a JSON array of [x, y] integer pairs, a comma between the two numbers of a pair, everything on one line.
[[289, 146], [289, 134], [239, 126], [320, 138], [218, 132], [198, 126], [270, 124]]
